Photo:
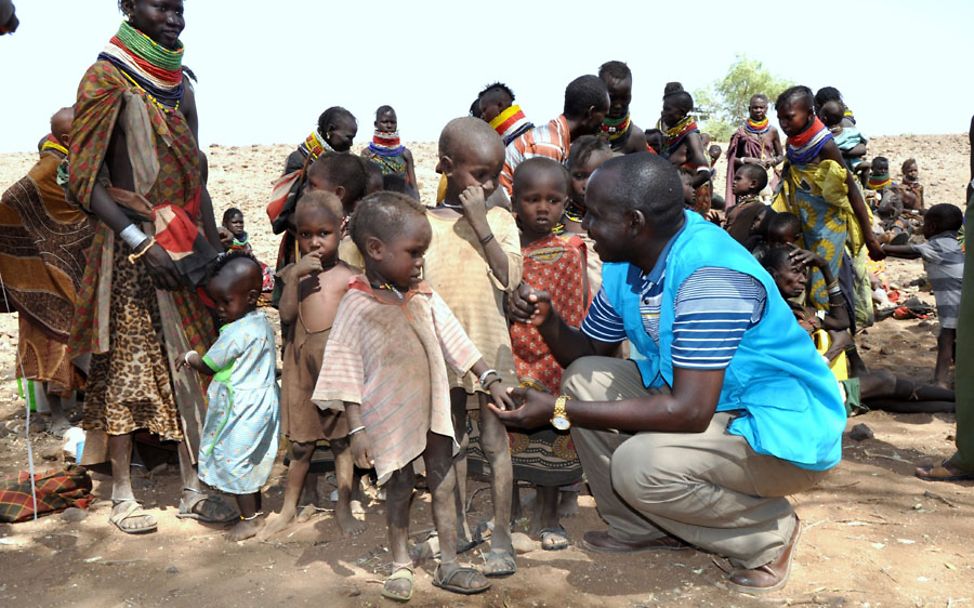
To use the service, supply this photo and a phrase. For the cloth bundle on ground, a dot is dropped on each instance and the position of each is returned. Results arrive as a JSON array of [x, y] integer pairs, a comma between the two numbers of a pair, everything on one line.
[[56, 490]]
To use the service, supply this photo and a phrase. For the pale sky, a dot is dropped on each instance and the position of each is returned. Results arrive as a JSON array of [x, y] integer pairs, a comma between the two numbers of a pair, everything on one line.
[[267, 69]]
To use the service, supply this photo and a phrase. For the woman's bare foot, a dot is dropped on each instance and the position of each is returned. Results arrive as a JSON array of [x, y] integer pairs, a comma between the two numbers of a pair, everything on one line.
[[278, 523], [244, 529], [567, 504]]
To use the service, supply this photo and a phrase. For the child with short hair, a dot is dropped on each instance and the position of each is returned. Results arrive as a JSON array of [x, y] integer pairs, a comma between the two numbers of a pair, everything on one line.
[[237, 239], [313, 287], [385, 150], [239, 440], [385, 366], [784, 228], [554, 264], [474, 260], [587, 154], [911, 190], [943, 260]]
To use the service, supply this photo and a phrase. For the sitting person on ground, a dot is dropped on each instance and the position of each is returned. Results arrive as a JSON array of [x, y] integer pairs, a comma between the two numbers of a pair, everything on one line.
[[726, 410], [235, 238], [881, 388], [911, 190], [386, 151], [747, 220], [943, 260]]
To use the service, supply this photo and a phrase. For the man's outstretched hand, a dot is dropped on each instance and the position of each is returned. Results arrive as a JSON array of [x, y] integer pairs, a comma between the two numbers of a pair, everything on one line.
[[532, 409], [529, 305]]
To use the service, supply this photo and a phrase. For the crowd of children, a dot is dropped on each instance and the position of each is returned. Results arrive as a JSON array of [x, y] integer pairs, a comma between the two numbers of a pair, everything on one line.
[[396, 336]]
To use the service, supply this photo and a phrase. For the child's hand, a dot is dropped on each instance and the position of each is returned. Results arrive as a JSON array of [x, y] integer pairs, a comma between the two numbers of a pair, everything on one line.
[[226, 237], [474, 204], [714, 216], [803, 258], [359, 444], [528, 305], [500, 397], [309, 264], [183, 360]]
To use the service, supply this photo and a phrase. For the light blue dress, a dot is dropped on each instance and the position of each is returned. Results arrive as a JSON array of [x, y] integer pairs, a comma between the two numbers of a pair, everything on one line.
[[239, 441]]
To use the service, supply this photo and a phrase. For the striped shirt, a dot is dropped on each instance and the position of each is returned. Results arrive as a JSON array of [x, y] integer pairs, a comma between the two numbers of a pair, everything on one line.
[[712, 310], [943, 260], [550, 141]]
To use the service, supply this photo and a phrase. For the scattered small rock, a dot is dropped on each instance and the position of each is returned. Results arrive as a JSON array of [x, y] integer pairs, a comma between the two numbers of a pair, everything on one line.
[[74, 515], [523, 543], [861, 432], [172, 570]]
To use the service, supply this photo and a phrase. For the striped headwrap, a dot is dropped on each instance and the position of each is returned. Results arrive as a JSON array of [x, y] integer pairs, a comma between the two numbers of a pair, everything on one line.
[[150, 66], [805, 147], [511, 124]]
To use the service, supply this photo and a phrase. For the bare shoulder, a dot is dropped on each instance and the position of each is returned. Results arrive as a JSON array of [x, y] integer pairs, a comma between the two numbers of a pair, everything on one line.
[[336, 278], [407, 154], [636, 142]]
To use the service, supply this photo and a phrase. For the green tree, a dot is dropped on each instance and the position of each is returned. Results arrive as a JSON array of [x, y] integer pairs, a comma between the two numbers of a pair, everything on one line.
[[724, 103]]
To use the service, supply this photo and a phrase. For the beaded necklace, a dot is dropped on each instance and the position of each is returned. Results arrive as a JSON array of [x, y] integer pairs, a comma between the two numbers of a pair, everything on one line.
[[574, 213], [53, 145], [616, 128], [805, 147], [675, 135], [315, 145], [386, 144], [511, 124], [879, 182], [152, 68], [388, 287], [757, 128]]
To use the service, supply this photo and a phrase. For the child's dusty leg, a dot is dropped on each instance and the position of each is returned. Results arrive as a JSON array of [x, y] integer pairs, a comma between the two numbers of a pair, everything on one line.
[[399, 491], [945, 356], [297, 471], [458, 406], [250, 518], [494, 442], [345, 478]]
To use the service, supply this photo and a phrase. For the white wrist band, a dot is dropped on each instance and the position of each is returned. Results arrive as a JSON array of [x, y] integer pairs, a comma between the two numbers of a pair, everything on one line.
[[483, 376], [132, 236]]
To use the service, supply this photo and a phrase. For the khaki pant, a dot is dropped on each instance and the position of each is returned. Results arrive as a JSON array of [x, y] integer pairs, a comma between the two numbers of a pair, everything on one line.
[[709, 489]]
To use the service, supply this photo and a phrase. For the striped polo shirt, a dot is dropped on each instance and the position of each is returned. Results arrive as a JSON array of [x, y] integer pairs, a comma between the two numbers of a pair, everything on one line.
[[550, 141], [943, 259], [713, 309]]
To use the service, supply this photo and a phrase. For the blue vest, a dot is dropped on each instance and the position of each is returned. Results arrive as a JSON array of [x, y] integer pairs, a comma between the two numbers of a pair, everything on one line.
[[788, 399]]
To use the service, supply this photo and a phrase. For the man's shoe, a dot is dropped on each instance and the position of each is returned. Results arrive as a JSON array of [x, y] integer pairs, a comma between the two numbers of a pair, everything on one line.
[[772, 575], [602, 542]]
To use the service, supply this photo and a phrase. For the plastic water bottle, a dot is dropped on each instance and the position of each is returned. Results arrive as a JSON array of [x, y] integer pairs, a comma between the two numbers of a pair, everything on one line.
[[74, 443]]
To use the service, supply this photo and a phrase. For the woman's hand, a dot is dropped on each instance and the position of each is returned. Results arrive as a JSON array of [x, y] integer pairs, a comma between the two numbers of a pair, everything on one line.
[[161, 268]]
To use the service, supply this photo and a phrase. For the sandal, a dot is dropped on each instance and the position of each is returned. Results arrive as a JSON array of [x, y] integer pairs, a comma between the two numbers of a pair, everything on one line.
[[132, 510], [206, 509], [465, 581], [942, 472], [499, 563], [554, 539], [400, 572]]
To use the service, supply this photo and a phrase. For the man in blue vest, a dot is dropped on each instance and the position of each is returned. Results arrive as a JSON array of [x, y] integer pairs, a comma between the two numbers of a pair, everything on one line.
[[723, 409]]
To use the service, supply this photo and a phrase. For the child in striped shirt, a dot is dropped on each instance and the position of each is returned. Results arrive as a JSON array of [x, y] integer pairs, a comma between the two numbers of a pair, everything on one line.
[[385, 366], [943, 260]]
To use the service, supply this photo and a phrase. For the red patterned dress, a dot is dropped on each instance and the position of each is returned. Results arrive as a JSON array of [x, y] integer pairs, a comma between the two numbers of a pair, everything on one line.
[[555, 264]]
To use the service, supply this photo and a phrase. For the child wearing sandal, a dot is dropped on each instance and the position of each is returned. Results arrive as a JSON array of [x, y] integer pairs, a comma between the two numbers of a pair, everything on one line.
[[239, 440], [385, 366]]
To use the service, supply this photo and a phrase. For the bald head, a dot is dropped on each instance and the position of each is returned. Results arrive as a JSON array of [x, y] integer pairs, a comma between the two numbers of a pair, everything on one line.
[[61, 124], [642, 182], [462, 136]]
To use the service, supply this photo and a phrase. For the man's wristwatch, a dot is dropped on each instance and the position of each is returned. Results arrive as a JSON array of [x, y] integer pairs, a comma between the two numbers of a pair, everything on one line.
[[559, 417]]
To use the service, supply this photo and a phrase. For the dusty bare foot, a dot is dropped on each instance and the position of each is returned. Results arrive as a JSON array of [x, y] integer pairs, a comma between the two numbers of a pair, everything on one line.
[[246, 528], [277, 523], [305, 514], [347, 522], [567, 504]]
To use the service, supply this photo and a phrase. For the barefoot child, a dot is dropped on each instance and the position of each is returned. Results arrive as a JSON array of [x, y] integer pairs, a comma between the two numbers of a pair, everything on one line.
[[385, 366], [943, 260], [239, 440], [235, 238], [554, 264], [473, 261], [313, 287], [910, 187], [386, 152]]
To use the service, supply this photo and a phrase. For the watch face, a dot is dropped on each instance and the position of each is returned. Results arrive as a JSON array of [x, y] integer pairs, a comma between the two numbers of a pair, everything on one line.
[[561, 423]]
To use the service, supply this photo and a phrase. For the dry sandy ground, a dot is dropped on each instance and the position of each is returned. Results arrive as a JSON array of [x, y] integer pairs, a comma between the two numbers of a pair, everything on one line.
[[874, 534]]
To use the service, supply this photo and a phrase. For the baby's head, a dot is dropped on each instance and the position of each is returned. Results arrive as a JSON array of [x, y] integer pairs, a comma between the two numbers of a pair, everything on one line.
[[471, 154], [784, 229], [494, 99], [831, 114], [942, 218], [749, 180], [587, 154], [344, 175], [61, 124], [911, 172], [233, 220], [318, 222], [790, 278], [393, 234], [540, 190], [234, 285]]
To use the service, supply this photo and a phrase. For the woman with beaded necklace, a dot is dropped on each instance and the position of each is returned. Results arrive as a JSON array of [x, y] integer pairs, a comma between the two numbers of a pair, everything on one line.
[[135, 164]]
